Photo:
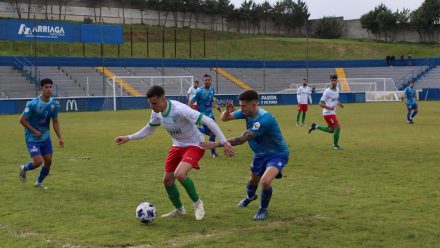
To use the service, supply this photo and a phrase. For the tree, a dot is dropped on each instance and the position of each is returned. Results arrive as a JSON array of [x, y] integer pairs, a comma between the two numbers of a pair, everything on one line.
[[266, 8], [425, 18], [380, 20], [278, 15], [245, 12], [224, 9], [16, 3], [328, 28], [141, 5], [211, 9]]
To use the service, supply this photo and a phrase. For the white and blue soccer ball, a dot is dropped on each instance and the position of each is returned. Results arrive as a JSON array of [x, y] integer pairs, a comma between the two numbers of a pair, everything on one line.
[[146, 212]]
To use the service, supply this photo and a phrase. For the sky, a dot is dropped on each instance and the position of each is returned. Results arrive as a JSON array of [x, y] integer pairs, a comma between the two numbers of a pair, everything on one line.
[[349, 9]]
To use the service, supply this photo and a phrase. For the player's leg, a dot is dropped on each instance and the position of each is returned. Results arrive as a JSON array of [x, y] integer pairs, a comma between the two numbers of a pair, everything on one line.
[[46, 152], [190, 160], [304, 111], [408, 114], [205, 130], [37, 160], [415, 111], [212, 139], [298, 115], [251, 189], [323, 128], [171, 163], [274, 170], [337, 130]]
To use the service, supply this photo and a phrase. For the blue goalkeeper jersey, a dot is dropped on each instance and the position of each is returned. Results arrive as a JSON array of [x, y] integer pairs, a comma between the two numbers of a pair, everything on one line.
[[269, 140], [204, 98], [38, 114], [410, 93]]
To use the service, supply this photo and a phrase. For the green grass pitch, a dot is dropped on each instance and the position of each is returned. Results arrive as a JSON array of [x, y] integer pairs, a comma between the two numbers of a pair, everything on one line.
[[382, 190]]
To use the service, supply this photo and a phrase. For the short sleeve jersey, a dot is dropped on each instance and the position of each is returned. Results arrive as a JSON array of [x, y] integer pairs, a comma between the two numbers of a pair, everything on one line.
[[410, 95], [331, 98], [303, 94], [38, 113], [181, 122], [269, 139], [204, 98]]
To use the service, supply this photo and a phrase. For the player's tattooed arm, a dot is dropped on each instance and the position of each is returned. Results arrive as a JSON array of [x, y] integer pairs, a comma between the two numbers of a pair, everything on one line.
[[243, 138]]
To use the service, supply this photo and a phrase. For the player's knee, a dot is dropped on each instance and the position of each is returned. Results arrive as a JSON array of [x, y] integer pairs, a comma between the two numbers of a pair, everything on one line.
[[266, 183], [180, 176], [168, 181], [37, 162]]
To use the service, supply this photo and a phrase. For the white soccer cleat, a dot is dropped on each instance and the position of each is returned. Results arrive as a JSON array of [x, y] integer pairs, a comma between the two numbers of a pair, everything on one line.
[[176, 212], [22, 174], [40, 186], [199, 211]]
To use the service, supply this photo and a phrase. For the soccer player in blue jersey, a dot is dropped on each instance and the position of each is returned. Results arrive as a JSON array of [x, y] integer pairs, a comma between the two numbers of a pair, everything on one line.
[[205, 99], [36, 120], [266, 141], [411, 104]]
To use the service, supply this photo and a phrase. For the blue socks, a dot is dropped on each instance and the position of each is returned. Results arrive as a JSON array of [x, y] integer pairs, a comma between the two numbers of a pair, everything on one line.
[[413, 114], [212, 138], [265, 198], [28, 167], [251, 189], [408, 116], [43, 174]]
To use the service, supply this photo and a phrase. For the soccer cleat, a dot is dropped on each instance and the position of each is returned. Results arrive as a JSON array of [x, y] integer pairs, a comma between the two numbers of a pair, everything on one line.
[[297, 124], [302, 124], [199, 211], [337, 148], [175, 212], [312, 127], [243, 203], [214, 155], [411, 121], [261, 214], [39, 185], [22, 174]]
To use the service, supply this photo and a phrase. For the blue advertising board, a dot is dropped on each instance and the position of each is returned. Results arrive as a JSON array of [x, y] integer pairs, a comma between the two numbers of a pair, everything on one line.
[[26, 30]]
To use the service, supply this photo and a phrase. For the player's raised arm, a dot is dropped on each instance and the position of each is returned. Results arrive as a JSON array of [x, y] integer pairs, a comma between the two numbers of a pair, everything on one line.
[[227, 114]]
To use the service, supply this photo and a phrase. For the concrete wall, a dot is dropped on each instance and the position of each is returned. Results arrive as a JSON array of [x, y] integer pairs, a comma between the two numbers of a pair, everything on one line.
[[351, 28]]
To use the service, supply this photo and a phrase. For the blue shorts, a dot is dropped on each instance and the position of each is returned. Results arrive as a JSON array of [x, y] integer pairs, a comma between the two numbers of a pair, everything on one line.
[[411, 106], [204, 129], [39, 148], [259, 165]]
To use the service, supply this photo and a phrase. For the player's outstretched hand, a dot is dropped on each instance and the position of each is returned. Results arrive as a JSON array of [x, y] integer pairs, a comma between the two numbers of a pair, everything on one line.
[[61, 143], [229, 151], [209, 144], [230, 106], [121, 140]]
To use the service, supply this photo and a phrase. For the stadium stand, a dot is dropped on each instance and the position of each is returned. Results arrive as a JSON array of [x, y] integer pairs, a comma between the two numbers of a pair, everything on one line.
[[430, 80], [90, 81], [14, 85]]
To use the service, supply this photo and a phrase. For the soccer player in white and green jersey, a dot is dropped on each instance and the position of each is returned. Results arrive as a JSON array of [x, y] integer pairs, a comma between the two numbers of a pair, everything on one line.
[[329, 102], [181, 122]]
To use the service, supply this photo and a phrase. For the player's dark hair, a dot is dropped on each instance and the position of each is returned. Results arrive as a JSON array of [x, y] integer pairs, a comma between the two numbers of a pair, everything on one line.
[[207, 75], [333, 76], [197, 81], [248, 95], [156, 91], [45, 81]]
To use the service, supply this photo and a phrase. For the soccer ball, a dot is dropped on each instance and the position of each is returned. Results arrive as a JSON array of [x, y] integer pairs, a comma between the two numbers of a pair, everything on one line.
[[146, 212]]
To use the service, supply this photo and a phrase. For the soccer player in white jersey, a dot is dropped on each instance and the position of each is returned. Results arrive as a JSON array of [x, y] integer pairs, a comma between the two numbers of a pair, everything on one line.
[[304, 97], [191, 93], [329, 102], [181, 122]]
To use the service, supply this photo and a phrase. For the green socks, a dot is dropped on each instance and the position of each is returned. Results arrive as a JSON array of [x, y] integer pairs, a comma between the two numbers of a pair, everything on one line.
[[303, 117], [297, 117], [173, 194], [190, 189], [336, 137], [323, 128]]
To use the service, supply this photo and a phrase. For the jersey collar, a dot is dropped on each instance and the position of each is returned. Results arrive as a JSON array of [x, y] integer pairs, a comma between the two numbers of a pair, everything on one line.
[[167, 111]]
